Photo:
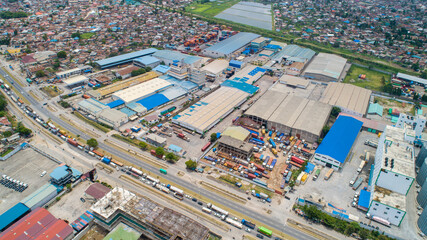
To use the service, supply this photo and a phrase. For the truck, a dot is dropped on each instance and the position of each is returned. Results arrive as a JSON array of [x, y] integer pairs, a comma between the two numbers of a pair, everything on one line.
[[175, 189], [353, 180], [316, 174], [273, 164], [234, 223], [297, 160], [106, 160], [7, 87], [265, 161], [329, 174], [62, 132], [362, 164], [371, 143], [248, 224], [206, 210], [357, 184], [206, 146], [274, 151], [273, 144], [98, 153], [72, 142], [217, 209], [137, 171], [154, 180], [153, 152]]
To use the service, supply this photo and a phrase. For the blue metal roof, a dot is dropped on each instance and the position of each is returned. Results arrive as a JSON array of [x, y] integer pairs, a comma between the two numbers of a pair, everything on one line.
[[309, 167], [176, 56], [124, 57], [153, 101], [340, 138], [175, 148], [128, 112], [235, 63], [147, 60], [241, 86], [12, 215], [233, 43], [161, 69], [59, 172], [364, 198], [116, 103]]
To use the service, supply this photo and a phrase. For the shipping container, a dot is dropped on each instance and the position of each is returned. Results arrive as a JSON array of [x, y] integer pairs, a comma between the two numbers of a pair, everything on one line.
[[98, 153]]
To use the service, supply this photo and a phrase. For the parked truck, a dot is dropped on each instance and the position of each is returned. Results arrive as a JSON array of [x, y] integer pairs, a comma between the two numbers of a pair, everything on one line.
[[217, 209], [72, 142], [357, 184], [248, 224], [362, 164], [371, 143], [316, 174], [329, 174]]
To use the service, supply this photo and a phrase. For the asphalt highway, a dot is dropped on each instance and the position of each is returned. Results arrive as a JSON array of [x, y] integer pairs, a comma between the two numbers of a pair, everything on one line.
[[269, 222]]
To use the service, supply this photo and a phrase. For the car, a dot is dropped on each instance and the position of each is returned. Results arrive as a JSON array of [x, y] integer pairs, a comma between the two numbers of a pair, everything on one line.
[[249, 198], [44, 104], [82, 199], [260, 236], [353, 204], [277, 238], [248, 230], [200, 203], [194, 199], [43, 173]]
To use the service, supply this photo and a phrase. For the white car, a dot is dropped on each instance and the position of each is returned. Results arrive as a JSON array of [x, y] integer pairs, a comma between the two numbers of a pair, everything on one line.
[[43, 173], [248, 230]]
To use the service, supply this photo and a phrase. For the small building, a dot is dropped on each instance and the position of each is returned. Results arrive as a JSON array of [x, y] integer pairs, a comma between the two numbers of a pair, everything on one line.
[[174, 148], [162, 69], [112, 117], [63, 175], [260, 42], [73, 72], [236, 132], [76, 81], [375, 109], [146, 61], [96, 191], [126, 72], [136, 107], [234, 147], [336, 146], [363, 202], [214, 69], [296, 82], [155, 140], [41, 196], [236, 64]]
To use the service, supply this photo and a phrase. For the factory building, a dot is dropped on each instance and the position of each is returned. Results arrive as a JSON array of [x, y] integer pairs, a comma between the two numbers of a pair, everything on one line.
[[290, 114], [197, 76], [393, 175], [326, 67], [146, 61], [64, 174], [13, 215], [151, 219], [155, 140], [417, 123], [125, 72], [39, 224], [75, 82], [169, 57], [214, 69], [337, 144], [231, 45], [73, 72], [294, 54], [91, 106], [234, 147], [249, 74], [210, 110], [236, 132], [141, 90], [349, 98], [124, 58], [41, 196], [422, 222], [113, 118]]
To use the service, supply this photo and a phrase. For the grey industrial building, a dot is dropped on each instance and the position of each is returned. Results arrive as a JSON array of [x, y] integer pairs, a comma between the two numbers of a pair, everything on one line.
[[325, 67], [230, 45], [290, 114], [234, 147]]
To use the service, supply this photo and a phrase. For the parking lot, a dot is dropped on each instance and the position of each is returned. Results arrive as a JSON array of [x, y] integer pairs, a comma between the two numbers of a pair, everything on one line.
[[26, 166]]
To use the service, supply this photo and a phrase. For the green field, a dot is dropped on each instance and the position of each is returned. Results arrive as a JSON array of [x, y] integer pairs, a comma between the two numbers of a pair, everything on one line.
[[124, 232], [374, 80], [210, 8], [87, 35]]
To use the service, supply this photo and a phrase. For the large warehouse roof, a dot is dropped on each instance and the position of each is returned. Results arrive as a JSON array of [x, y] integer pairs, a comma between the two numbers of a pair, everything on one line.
[[249, 74], [233, 43], [295, 53], [216, 66], [340, 138], [291, 110], [142, 89], [75, 80], [411, 78], [328, 65], [347, 96], [124, 58], [176, 56], [204, 114]]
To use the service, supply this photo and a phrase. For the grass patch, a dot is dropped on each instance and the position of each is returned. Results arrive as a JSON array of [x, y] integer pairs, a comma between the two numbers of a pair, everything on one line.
[[87, 35], [51, 90], [7, 151], [94, 124], [210, 8], [374, 80]]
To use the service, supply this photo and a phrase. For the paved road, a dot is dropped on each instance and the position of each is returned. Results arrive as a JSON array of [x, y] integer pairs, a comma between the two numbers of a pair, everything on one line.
[[271, 222]]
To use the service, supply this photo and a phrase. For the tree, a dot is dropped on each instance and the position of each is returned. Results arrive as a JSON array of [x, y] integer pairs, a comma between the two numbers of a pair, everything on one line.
[[76, 34], [56, 65], [335, 111], [160, 151], [213, 137], [22, 130], [416, 96], [40, 73], [3, 102], [7, 134], [61, 54], [137, 72], [92, 143], [191, 164], [170, 157], [143, 145], [424, 74], [424, 98], [325, 130]]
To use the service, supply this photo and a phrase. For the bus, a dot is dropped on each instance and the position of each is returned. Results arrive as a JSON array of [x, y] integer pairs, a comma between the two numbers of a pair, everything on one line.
[[265, 231], [163, 171]]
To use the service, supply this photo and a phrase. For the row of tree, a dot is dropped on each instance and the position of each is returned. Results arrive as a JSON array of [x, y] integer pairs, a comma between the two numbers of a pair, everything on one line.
[[9, 14], [140, 71]]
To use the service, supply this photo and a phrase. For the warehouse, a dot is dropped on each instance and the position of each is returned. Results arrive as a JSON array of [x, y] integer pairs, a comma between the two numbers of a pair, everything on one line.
[[74, 71], [236, 132], [125, 72], [13, 215], [249, 74], [39, 224], [113, 118], [411, 79], [76, 81], [124, 58], [349, 98], [146, 61], [214, 69], [293, 53], [290, 114], [337, 144], [40, 197], [141, 90], [204, 114], [230, 45], [234, 147], [91, 106], [326, 67], [169, 57], [293, 81], [155, 140]]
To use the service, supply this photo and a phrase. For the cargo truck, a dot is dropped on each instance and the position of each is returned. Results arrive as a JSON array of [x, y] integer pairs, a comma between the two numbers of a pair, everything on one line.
[[72, 142], [206, 210], [248, 224], [316, 174], [329, 174], [357, 184], [371, 143], [265, 231], [217, 209], [362, 164], [234, 223], [273, 164]]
